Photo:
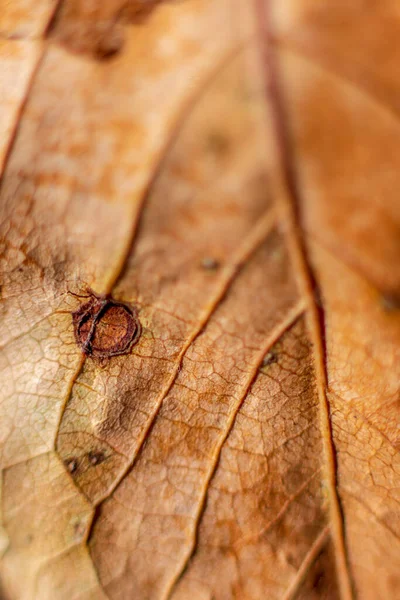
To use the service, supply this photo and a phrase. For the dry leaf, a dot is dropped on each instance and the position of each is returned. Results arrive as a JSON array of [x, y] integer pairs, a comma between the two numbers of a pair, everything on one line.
[[228, 171]]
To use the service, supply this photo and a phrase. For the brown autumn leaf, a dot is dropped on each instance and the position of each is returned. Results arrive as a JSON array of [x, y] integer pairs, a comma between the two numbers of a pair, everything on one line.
[[228, 169]]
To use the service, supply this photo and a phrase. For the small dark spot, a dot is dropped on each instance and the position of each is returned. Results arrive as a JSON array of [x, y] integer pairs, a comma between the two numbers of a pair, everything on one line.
[[390, 302], [291, 558], [97, 31], [111, 44], [210, 264], [318, 298], [79, 528], [104, 327], [269, 359], [29, 538], [72, 465], [96, 458], [218, 143], [318, 581]]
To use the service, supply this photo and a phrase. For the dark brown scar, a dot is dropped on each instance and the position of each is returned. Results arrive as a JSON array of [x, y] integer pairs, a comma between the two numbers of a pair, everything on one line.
[[104, 327]]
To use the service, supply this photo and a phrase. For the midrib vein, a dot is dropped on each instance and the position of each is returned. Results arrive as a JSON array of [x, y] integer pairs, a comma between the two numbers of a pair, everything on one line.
[[288, 199]]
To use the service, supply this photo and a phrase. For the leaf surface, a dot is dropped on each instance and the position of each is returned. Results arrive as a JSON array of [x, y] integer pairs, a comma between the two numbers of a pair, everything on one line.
[[229, 169]]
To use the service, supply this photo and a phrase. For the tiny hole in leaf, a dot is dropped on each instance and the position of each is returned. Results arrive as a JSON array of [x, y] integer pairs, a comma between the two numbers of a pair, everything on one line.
[[96, 458], [269, 359], [210, 263], [72, 465]]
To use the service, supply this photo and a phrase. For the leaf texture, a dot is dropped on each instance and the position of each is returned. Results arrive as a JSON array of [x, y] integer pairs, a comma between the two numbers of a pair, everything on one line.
[[229, 169]]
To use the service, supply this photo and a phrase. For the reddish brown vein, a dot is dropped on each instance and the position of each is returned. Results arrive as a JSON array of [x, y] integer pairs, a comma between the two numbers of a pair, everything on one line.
[[289, 199]]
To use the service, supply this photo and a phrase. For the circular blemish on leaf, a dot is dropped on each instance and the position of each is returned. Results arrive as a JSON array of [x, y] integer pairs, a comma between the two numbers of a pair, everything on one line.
[[104, 327]]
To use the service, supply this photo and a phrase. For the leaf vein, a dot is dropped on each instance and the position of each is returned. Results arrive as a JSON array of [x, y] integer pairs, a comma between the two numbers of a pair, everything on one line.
[[276, 334], [289, 197]]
